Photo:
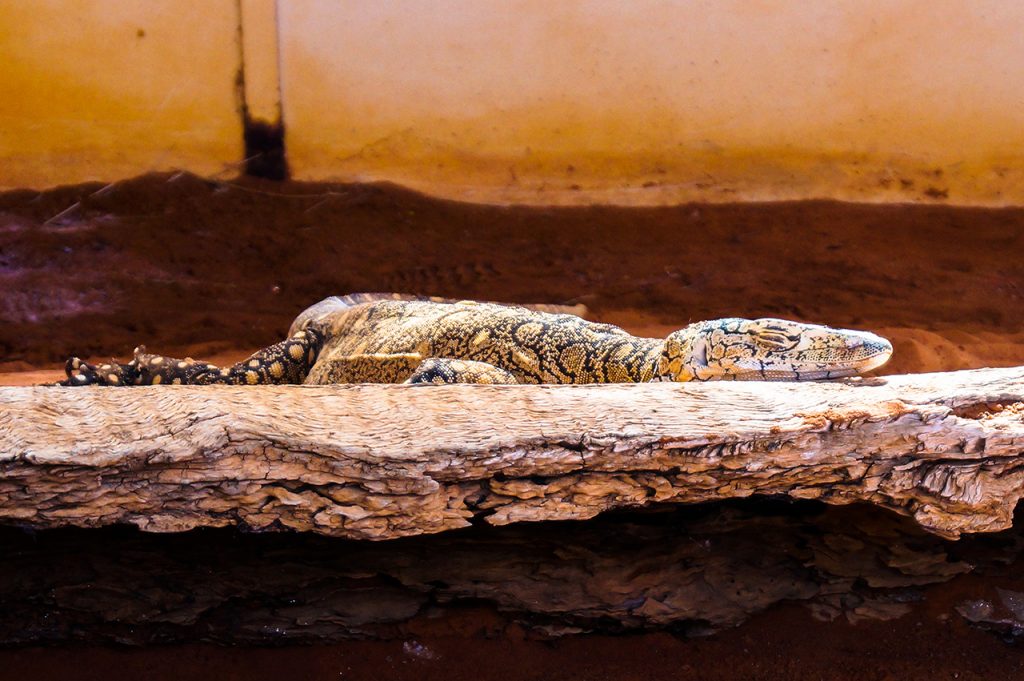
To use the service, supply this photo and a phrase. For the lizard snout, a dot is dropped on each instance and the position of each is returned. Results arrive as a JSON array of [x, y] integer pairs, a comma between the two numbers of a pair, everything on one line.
[[870, 344], [869, 350]]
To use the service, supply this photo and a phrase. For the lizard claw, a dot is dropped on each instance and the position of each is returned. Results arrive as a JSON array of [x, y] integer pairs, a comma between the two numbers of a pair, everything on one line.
[[80, 373], [83, 373]]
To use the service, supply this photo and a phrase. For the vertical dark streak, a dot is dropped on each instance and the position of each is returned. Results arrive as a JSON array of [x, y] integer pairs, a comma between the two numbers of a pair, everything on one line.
[[280, 64], [264, 154]]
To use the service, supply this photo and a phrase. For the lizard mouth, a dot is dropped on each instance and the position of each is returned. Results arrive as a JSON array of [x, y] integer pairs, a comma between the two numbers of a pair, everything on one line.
[[866, 356], [875, 361]]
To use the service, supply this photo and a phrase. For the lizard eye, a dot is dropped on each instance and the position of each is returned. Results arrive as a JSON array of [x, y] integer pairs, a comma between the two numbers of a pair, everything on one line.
[[773, 340]]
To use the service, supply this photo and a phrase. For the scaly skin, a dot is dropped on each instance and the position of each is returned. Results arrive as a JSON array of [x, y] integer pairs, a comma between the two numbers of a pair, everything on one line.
[[375, 338]]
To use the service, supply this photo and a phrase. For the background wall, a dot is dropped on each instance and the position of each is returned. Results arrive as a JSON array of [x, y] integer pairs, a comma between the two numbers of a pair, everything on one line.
[[525, 100], [105, 89]]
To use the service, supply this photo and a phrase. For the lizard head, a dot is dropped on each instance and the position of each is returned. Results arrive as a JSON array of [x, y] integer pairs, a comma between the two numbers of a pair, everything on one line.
[[768, 350]]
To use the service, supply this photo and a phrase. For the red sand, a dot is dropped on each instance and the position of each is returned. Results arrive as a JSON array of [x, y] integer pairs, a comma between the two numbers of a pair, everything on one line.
[[194, 267], [216, 270]]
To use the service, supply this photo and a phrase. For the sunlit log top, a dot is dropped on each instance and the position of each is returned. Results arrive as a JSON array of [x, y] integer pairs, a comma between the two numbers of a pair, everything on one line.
[[378, 462]]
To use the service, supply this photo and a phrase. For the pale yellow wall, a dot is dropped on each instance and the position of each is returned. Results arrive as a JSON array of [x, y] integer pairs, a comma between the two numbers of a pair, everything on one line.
[[105, 89], [576, 100], [634, 101]]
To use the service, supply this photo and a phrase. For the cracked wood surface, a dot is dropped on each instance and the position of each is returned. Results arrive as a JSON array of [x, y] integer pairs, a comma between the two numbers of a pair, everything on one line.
[[384, 461]]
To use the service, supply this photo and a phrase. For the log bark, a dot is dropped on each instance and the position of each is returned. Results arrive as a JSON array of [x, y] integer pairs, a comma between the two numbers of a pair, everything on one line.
[[380, 462]]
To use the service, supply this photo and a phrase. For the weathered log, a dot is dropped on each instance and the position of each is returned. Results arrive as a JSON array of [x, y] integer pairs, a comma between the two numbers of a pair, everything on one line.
[[378, 462]]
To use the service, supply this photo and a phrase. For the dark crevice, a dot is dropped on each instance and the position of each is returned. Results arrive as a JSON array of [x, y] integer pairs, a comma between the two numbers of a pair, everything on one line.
[[264, 149], [686, 570]]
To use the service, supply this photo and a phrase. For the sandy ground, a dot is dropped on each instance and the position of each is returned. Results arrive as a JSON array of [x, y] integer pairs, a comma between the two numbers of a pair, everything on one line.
[[215, 270]]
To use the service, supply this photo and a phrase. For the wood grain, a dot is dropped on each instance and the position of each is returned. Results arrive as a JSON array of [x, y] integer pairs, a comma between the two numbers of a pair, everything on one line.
[[385, 461]]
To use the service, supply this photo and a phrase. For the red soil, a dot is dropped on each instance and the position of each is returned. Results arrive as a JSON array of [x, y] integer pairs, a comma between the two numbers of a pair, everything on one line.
[[783, 644], [193, 267]]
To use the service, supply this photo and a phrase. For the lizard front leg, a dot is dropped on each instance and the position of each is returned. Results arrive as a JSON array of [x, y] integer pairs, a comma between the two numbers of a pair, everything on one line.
[[286, 362], [439, 371]]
